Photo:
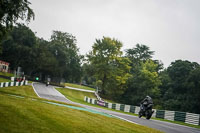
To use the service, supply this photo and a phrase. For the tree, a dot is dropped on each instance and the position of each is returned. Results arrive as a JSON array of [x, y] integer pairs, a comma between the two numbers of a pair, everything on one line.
[[11, 11], [151, 80], [193, 97], [63, 46], [88, 74], [180, 86], [145, 78], [145, 82], [110, 67], [44, 61], [139, 53], [178, 72], [18, 48]]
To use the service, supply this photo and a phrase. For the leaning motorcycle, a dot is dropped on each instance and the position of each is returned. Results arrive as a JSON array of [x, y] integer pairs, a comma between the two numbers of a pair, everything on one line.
[[145, 110]]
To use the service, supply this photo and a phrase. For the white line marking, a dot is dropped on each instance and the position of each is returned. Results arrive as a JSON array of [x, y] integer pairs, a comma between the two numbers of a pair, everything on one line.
[[72, 88], [35, 90], [124, 119]]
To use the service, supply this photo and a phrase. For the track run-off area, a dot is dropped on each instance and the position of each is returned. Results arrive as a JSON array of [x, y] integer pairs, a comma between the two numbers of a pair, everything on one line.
[[50, 93]]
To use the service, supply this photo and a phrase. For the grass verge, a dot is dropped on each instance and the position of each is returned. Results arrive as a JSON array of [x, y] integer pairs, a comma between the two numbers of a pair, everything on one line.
[[76, 96], [26, 90], [79, 86], [4, 80], [6, 74], [25, 115]]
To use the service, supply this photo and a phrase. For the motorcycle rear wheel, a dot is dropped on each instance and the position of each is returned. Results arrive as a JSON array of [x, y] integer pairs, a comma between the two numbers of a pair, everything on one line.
[[140, 114]]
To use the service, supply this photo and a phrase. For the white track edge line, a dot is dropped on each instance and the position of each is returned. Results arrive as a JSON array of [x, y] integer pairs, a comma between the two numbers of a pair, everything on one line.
[[124, 119], [35, 90]]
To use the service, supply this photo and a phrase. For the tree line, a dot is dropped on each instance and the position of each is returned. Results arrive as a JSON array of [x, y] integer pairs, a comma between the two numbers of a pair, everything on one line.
[[128, 77], [58, 57], [123, 76]]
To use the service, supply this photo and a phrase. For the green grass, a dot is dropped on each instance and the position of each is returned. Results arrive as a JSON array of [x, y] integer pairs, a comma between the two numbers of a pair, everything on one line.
[[6, 74], [4, 80], [79, 86], [20, 90], [30, 81], [25, 115], [76, 96]]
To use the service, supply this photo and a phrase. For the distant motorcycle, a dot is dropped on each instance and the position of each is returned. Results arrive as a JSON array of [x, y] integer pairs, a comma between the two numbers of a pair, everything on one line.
[[145, 110], [47, 83]]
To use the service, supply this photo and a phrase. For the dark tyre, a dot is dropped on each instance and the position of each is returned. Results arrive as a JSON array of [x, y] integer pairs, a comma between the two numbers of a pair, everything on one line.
[[148, 117], [148, 114], [140, 114]]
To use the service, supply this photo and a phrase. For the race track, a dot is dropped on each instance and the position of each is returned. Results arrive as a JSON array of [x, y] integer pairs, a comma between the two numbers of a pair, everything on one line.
[[49, 92]]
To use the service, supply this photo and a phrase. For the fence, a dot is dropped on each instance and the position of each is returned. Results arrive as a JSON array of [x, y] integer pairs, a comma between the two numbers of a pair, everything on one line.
[[6, 84], [189, 118]]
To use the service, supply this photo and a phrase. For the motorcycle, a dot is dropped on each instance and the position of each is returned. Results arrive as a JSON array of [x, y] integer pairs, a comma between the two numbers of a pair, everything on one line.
[[146, 110], [47, 83]]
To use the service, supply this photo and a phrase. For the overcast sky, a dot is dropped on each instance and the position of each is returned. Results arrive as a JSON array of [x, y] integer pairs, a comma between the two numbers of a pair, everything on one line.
[[171, 28]]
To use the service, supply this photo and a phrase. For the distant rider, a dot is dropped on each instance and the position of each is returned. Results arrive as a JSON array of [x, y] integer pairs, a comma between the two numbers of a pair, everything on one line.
[[47, 83]]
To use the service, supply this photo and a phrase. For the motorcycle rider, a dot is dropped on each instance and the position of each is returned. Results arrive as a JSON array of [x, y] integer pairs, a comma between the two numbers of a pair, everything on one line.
[[147, 102]]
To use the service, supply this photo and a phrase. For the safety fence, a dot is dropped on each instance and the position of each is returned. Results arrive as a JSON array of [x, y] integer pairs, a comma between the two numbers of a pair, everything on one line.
[[189, 118], [7, 84]]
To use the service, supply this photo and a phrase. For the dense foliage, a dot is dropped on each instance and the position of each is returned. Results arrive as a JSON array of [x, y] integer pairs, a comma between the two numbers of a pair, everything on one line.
[[56, 58], [174, 88], [110, 69], [10, 12], [180, 87]]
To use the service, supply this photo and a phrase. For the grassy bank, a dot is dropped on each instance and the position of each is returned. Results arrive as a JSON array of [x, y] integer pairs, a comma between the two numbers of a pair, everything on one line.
[[4, 80], [25, 115], [6, 74], [20, 90], [79, 86], [76, 96]]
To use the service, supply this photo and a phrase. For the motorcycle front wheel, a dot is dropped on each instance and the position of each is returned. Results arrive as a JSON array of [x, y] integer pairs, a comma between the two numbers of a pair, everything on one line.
[[148, 114]]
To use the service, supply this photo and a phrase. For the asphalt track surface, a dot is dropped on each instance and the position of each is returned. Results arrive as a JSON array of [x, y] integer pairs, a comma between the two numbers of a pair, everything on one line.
[[49, 92]]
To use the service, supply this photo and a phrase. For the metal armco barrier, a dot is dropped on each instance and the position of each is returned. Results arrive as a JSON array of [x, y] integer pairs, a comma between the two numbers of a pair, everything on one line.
[[7, 84], [189, 118]]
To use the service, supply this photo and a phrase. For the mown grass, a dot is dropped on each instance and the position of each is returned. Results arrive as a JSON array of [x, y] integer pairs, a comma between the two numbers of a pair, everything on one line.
[[30, 81], [26, 90], [86, 88], [25, 115], [4, 80], [76, 96], [6, 74], [79, 86]]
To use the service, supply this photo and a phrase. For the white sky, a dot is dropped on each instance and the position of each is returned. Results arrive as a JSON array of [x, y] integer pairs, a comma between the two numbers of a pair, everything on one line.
[[171, 28]]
